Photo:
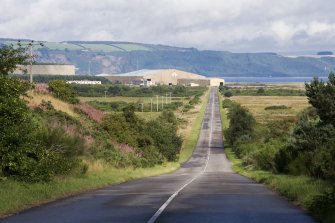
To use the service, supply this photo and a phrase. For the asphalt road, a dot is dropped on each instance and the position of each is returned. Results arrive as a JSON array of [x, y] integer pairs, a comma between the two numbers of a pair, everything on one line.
[[204, 189]]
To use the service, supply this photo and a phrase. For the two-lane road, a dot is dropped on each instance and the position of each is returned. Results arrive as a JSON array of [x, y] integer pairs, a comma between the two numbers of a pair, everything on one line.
[[204, 189]]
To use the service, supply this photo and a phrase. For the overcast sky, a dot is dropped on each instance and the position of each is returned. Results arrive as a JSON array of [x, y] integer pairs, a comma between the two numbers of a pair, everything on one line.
[[234, 25]]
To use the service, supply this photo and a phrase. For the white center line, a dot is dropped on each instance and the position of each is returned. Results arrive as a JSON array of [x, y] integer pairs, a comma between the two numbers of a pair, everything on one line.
[[162, 208]]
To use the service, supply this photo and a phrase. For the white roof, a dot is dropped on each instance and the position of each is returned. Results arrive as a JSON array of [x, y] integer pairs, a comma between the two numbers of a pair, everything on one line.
[[140, 73]]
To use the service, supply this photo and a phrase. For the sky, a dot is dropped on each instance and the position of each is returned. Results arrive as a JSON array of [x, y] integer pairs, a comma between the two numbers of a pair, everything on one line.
[[232, 25]]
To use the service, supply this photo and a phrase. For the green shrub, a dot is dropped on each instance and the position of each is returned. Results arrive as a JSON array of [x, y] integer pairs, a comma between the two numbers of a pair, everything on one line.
[[241, 123], [62, 150], [323, 206], [163, 131], [63, 91], [276, 107], [227, 103]]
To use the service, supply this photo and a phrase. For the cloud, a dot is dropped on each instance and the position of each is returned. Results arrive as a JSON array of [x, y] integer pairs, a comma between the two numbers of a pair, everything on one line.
[[236, 25]]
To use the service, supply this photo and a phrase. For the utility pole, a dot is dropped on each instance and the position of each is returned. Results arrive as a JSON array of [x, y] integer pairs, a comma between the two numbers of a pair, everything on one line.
[[30, 45], [31, 63], [142, 106], [89, 67], [151, 104], [162, 103], [157, 102], [105, 94]]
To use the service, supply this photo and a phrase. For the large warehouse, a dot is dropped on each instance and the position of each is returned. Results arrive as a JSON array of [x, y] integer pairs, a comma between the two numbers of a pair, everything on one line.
[[48, 69], [164, 77]]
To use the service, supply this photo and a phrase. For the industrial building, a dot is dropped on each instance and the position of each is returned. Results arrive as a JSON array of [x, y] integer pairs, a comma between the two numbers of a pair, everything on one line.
[[83, 82], [47, 69], [163, 77], [201, 82]]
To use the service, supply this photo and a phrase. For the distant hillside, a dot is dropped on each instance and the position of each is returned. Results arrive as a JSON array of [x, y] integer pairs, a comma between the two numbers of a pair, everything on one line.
[[97, 57]]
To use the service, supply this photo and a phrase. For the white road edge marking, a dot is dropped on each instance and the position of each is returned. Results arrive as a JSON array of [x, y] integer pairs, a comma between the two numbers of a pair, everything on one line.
[[162, 208]]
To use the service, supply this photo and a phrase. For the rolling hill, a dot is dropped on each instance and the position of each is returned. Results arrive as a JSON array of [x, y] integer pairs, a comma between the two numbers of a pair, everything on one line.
[[97, 57]]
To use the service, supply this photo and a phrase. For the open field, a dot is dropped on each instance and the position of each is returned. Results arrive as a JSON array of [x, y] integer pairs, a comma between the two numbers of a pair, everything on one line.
[[100, 47], [291, 86], [131, 99], [131, 47], [257, 106]]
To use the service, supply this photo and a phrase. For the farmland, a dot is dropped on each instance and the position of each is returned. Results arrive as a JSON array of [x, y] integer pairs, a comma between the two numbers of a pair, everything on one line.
[[257, 106]]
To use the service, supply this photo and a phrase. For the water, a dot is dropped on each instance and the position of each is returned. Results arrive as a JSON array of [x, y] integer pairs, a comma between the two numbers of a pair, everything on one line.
[[272, 79]]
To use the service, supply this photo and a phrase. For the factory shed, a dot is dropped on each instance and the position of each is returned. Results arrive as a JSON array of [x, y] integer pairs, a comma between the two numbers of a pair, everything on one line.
[[152, 77]]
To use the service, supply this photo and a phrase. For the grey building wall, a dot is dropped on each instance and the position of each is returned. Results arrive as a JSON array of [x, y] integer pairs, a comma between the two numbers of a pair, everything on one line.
[[54, 69]]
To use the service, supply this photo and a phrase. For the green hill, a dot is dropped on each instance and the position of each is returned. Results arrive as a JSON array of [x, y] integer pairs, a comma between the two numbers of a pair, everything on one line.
[[119, 57]]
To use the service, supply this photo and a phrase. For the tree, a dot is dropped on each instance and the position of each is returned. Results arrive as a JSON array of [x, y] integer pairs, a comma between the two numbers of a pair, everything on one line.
[[63, 90], [228, 94], [20, 153], [241, 123], [261, 91], [10, 57], [163, 131], [321, 96]]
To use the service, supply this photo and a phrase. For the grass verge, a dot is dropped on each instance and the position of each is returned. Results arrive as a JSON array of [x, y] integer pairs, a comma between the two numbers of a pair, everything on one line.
[[301, 190], [191, 141], [16, 196]]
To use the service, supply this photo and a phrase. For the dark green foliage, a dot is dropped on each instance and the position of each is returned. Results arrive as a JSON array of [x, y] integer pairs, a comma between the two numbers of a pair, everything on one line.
[[261, 91], [155, 141], [241, 124], [10, 57], [227, 103], [121, 130], [62, 150], [21, 155], [276, 107], [321, 95], [163, 130], [228, 94], [310, 150], [29, 151], [63, 91], [323, 206]]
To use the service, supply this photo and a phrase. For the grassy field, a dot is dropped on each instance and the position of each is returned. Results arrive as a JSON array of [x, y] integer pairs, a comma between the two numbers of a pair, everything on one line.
[[62, 46], [100, 47], [257, 106], [289, 86], [131, 47]]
